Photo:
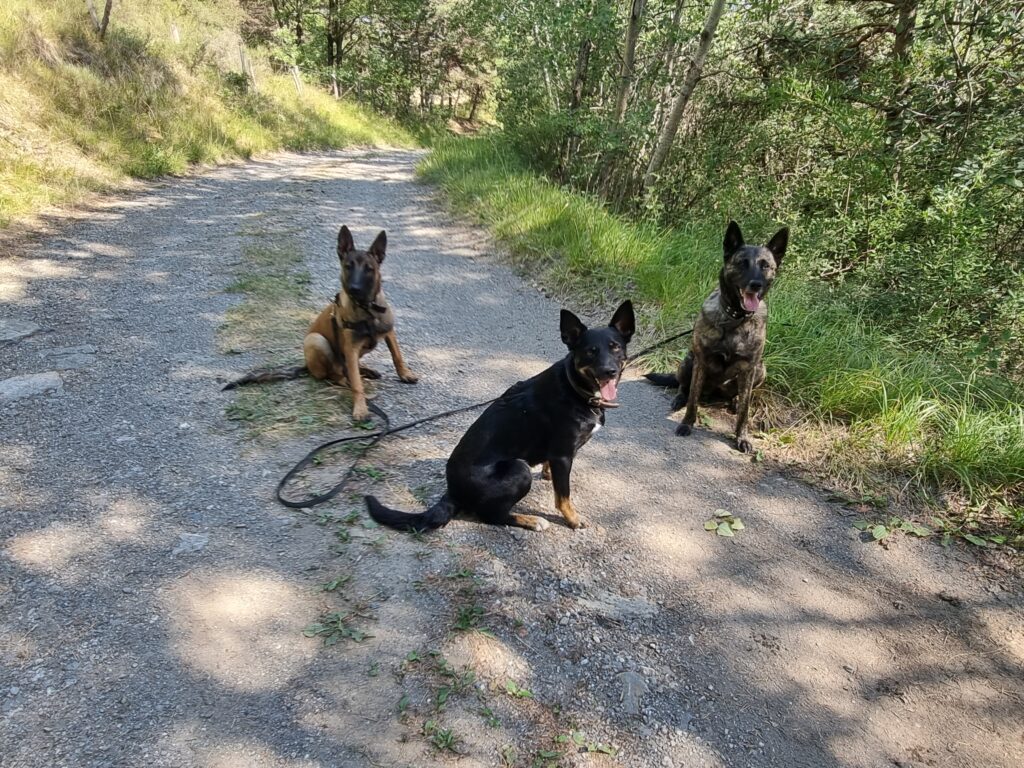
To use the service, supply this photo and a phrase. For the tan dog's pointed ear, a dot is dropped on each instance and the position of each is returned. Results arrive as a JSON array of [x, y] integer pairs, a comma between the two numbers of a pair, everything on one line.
[[379, 246], [345, 242]]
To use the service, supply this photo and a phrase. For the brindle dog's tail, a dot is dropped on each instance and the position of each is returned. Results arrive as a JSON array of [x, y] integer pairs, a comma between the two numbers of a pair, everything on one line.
[[662, 379], [435, 517], [269, 374]]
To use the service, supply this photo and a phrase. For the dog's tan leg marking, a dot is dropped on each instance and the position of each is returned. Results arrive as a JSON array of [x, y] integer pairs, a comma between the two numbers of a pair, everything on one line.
[[545, 472], [572, 518], [696, 385], [530, 521], [355, 381], [396, 357]]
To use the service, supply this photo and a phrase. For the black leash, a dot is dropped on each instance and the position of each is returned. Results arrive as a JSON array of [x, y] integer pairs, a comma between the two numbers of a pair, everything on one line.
[[376, 437]]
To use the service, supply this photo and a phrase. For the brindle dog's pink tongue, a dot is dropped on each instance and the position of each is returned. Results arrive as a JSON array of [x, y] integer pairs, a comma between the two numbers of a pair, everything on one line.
[[751, 302], [609, 391]]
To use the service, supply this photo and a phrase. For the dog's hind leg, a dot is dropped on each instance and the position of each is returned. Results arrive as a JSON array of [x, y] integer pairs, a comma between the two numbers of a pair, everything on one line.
[[497, 488], [320, 359]]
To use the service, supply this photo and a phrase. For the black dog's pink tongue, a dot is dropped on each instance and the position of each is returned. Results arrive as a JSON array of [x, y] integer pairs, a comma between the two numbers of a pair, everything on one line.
[[609, 391], [751, 301]]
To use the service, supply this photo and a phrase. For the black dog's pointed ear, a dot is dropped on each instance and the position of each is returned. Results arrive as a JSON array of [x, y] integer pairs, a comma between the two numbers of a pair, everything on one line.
[[345, 242], [777, 245], [624, 320], [571, 328], [733, 239], [379, 246]]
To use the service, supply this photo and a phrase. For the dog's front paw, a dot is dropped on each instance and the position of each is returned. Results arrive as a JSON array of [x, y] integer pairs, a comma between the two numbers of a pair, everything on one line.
[[743, 445], [408, 377], [580, 522], [678, 403], [684, 429], [359, 411]]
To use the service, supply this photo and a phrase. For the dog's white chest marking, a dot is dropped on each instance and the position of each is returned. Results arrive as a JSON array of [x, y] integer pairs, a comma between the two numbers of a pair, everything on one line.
[[597, 426]]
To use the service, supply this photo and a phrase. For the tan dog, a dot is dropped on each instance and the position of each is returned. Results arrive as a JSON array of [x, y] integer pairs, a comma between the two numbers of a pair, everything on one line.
[[353, 324]]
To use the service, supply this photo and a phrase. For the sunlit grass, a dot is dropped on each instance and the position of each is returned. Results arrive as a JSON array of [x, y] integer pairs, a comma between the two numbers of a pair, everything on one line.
[[79, 115]]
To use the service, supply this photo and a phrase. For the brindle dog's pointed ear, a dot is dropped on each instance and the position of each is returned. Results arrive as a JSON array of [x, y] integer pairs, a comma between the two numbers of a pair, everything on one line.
[[624, 320], [571, 328], [777, 245], [379, 246], [733, 239], [345, 242]]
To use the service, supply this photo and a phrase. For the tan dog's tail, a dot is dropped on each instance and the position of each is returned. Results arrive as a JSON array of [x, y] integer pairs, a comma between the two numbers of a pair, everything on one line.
[[281, 373]]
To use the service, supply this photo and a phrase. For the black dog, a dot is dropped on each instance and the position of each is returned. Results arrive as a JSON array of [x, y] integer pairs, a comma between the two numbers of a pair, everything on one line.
[[725, 359], [543, 420]]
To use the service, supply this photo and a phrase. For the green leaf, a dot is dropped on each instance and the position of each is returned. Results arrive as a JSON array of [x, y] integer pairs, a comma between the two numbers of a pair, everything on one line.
[[975, 540], [723, 513], [737, 525], [724, 530], [710, 525], [879, 532], [861, 525], [578, 738]]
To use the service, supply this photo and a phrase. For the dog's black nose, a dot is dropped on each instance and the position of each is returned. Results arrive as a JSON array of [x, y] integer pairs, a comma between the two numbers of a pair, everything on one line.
[[607, 373], [755, 285]]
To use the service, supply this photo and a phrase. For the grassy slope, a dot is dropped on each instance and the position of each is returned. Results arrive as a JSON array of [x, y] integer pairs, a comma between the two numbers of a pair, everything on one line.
[[878, 412], [79, 115]]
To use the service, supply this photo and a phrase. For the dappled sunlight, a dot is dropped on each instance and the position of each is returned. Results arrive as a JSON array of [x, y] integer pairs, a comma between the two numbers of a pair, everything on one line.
[[16, 274], [52, 549], [240, 628]]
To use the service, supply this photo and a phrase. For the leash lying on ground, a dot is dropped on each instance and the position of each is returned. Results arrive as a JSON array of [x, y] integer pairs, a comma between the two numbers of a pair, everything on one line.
[[376, 437]]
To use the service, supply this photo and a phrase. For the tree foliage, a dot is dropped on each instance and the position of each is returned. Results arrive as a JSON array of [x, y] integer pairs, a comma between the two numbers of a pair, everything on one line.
[[888, 133]]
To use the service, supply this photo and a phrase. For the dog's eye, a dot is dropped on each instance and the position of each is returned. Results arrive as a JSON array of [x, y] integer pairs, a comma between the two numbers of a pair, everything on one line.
[[614, 346], [592, 351], [763, 264]]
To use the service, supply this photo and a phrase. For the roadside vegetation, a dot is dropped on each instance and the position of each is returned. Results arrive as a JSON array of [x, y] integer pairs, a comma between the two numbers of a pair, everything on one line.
[[163, 90], [847, 399]]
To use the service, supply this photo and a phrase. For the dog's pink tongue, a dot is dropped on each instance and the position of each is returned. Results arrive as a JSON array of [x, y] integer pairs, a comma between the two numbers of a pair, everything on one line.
[[751, 301], [609, 391]]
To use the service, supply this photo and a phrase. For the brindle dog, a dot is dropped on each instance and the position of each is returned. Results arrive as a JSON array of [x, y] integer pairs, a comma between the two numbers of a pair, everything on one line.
[[353, 323], [725, 358]]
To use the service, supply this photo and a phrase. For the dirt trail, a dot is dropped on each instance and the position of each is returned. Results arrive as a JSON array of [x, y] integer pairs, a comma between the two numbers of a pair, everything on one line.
[[153, 595]]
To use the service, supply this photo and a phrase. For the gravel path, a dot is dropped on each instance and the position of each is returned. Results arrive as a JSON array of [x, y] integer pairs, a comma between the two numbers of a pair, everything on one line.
[[153, 596]]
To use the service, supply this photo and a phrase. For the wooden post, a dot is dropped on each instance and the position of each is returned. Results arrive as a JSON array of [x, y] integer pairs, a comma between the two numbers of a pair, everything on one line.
[[246, 66], [93, 14], [297, 79], [175, 34]]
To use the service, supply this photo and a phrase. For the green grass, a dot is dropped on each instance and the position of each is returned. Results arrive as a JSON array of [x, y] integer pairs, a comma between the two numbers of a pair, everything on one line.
[[79, 115], [870, 410]]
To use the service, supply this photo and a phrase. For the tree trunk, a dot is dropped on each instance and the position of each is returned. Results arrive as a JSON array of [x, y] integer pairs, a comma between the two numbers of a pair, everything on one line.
[[905, 27], [477, 93], [668, 133], [636, 15], [579, 81], [106, 18]]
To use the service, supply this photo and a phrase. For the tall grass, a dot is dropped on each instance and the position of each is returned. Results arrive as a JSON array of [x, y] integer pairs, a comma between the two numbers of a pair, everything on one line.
[[937, 422], [78, 114]]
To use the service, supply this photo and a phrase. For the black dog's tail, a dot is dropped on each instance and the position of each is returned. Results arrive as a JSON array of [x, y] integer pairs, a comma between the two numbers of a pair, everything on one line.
[[282, 373], [435, 517], [662, 379]]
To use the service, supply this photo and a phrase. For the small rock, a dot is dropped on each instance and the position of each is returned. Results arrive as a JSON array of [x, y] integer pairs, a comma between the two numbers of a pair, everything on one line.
[[12, 330], [190, 542], [18, 387], [634, 686]]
